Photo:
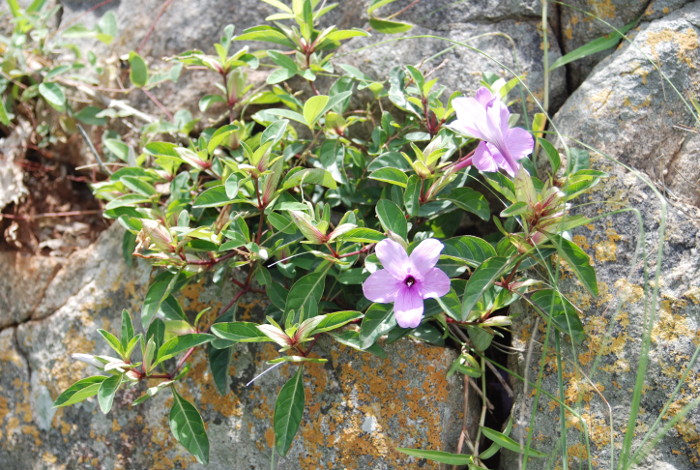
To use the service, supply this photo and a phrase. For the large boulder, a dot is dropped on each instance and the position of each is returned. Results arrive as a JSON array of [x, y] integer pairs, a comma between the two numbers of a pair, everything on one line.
[[498, 37], [646, 258], [360, 408], [636, 104], [583, 21]]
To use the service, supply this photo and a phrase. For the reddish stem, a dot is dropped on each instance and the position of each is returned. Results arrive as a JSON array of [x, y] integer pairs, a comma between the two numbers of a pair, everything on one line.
[[358, 252]]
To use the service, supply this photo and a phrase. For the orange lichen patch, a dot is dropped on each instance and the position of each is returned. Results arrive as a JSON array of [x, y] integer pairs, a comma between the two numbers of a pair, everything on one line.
[[601, 8], [4, 410], [581, 241], [64, 370], [270, 437], [31, 430], [9, 354], [49, 458], [370, 406], [693, 294], [670, 326], [684, 42], [606, 251], [598, 101], [627, 292], [637, 107], [577, 453], [598, 429]]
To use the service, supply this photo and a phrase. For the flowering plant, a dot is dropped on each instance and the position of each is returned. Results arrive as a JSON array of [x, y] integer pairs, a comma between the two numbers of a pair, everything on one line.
[[279, 198]]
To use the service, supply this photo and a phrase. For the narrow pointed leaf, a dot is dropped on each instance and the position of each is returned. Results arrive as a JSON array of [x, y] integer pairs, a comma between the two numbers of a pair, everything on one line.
[[178, 344], [482, 279], [188, 428], [107, 390], [578, 261], [438, 456], [289, 409], [79, 391], [508, 443]]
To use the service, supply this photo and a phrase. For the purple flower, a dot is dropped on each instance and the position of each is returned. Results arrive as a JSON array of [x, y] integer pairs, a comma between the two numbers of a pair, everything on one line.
[[407, 280], [486, 117]]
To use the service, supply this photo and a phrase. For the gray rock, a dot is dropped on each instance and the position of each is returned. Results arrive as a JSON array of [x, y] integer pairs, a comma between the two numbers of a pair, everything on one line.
[[628, 111], [599, 375], [359, 409], [458, 57], [624, 111], [585, 20], [506, 31]]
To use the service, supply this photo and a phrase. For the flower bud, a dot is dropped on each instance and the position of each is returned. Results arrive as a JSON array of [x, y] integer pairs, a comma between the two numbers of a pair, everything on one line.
[[156, 234], [307, 227]]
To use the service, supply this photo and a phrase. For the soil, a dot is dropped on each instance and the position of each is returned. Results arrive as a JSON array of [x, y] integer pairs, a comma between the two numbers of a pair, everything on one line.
[[58, 216]]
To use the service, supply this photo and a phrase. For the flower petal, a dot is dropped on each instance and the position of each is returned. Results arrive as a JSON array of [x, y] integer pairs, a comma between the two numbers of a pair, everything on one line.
[[469, 114], [520, 143], [408, 307], [484, 96], [483, 159], [426, 255], [381, 287], [434, 284], [393, 258]]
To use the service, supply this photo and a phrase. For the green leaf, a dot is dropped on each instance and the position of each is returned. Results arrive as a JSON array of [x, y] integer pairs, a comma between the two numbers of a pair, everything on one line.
[[411, 197], [471, 201], [314, 108], [561, 311], [335, 320], [118, 148], [265, 34], [112, 341], [138, 185], [160, 289], [221, 137], [289, 409], [231, 186], [219, 361], [378, 4], [274, 132], [515, 209], [388, 26], [390, 175], [80, 390], [472, 250], [107, 390], [305, 296], [53, 94], [310, 176], [88, 115], [482, 279], [205, 102], [362, 235], [188, 428], [578, 261], [392, 218], [552, 154], [438, 456], [577, 159], [178, 344], [239, 331], [138, 73], [378, 320], [597, 45], [5, 117], [508, 443], [212, 197], [127, 328]]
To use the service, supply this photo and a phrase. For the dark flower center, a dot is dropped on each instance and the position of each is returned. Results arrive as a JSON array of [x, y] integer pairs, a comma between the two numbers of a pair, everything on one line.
[[409, 281]]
